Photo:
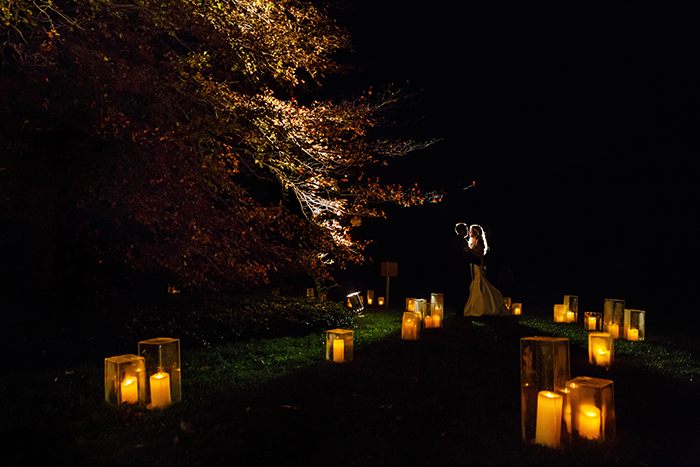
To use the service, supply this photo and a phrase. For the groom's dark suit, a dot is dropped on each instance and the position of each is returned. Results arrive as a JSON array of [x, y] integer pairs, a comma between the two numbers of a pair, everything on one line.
[[462, 272]]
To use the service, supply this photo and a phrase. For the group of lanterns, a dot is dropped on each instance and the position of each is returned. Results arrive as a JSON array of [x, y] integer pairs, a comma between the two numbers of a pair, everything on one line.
[[421, 314], [556, 407], [151, 379], [355, 298]]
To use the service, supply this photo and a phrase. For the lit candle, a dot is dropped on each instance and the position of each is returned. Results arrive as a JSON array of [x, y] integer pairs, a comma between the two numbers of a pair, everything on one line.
[[614, 329], [589, 422], [380, 301], [160, 389], [409, 330], [428, 321], [130, 390], [633, 334], [569, 316], [592, 323], [602, 357], [338, 350], [436, 321], [369, 301], [517, 310], [548, 429]]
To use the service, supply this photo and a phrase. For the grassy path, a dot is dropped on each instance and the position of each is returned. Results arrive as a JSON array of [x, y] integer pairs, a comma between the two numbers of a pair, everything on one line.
[[451, 398]]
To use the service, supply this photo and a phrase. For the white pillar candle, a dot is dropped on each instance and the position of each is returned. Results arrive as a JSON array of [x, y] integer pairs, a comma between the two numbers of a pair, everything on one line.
[[428, 321], [548, 428], [589, 422], [338, 350], [436, 321], [130, 390], [633, 334], [591, 323], [160, 389], [602, 357]]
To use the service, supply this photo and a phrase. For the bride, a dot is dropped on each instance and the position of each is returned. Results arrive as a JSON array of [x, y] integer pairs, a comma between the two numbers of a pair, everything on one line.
[[484, 298]]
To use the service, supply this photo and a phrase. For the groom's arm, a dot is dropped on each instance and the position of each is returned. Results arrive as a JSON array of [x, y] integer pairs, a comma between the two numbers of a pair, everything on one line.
[[471, 257]]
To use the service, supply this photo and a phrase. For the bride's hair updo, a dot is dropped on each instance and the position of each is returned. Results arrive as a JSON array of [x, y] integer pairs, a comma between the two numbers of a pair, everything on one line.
[[480, 235]]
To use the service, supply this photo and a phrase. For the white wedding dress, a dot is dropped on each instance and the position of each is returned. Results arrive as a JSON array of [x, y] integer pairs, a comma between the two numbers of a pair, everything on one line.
[[484, 298]]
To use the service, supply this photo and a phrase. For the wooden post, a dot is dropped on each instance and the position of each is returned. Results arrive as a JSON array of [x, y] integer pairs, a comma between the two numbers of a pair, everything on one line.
[[389, 270]]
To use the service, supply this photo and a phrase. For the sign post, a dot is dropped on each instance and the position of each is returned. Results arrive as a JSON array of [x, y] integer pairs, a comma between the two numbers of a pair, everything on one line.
[[389, 270]]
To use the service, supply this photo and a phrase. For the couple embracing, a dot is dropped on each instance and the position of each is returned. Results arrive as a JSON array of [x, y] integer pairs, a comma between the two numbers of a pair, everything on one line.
[[471, 248]]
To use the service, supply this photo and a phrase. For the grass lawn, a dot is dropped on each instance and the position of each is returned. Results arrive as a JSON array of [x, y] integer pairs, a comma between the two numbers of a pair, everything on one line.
[[451, 398]]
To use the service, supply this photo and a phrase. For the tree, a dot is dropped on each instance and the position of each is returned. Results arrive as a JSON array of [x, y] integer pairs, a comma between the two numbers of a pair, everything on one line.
[[164, 123]]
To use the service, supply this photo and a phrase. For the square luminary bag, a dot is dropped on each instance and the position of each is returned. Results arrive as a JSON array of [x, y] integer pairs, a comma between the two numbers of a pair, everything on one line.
[[163, 374], [544, 366]]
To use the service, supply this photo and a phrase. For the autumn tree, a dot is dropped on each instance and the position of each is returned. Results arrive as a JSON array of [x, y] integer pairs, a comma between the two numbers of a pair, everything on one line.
[[152, 134]]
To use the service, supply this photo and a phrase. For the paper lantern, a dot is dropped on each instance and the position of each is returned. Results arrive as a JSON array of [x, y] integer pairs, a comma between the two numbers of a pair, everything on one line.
[[410, 326], [125, 380], [517, 308], [601, 349], [571, 308], [370, 297], [593, 321], [410, 304], [544, 366], [559, 313], [614, 317], [549, 416], [163, 374], [355, 302], [592, 408], [339, 343], [380, 301], [507, 302], [634, 325], [437, 310]]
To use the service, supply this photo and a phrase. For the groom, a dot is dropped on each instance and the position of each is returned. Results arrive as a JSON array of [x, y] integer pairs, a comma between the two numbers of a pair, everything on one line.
[[462, 273]]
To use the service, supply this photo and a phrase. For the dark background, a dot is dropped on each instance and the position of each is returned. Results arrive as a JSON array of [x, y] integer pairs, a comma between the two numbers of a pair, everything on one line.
[[578, 124]]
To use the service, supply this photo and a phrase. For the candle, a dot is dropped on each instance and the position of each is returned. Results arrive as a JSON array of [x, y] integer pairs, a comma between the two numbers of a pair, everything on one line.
[[130, 390], [338, 350], [517, 310], [548, 428], [369, 301], [614, 329], [589, 422], [436, 321], [592, 323], [633, 334], [602, 357], [160, 389], [409, 329], [380, 301], [569, 316], [428, 321]]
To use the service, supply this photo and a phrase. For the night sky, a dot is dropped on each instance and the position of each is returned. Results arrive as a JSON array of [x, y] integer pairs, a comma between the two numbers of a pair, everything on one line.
[[577, 122]]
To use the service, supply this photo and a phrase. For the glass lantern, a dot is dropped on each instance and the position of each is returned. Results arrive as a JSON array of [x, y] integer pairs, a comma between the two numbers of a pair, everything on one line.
[[125, 380], [421, 307], [437, 314], [339, 345], [411, 304], [380, 301], [544, 366], [508, 302], [601, 349], [571, 308], [355, 302], [559, 313], [592, 408], [410, 326], [163, 374], [310, 293], [614, 317], [593, 321], [634, 325], [517, 309], [370, 297]]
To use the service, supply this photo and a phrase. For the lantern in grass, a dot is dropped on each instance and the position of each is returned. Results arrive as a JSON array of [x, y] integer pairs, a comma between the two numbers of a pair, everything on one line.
[[410, 304], [355, 302], [614, 317], [593, 321], [380, 301], [437, 309], [125, 380], [601, 350], [571, 308], [544, 366], [310, 293], [559, 313], [517, 308], [421, 307], [410, 326], [339, 345], [370, 297], [634, 325], [163, 374], [592, 407]]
